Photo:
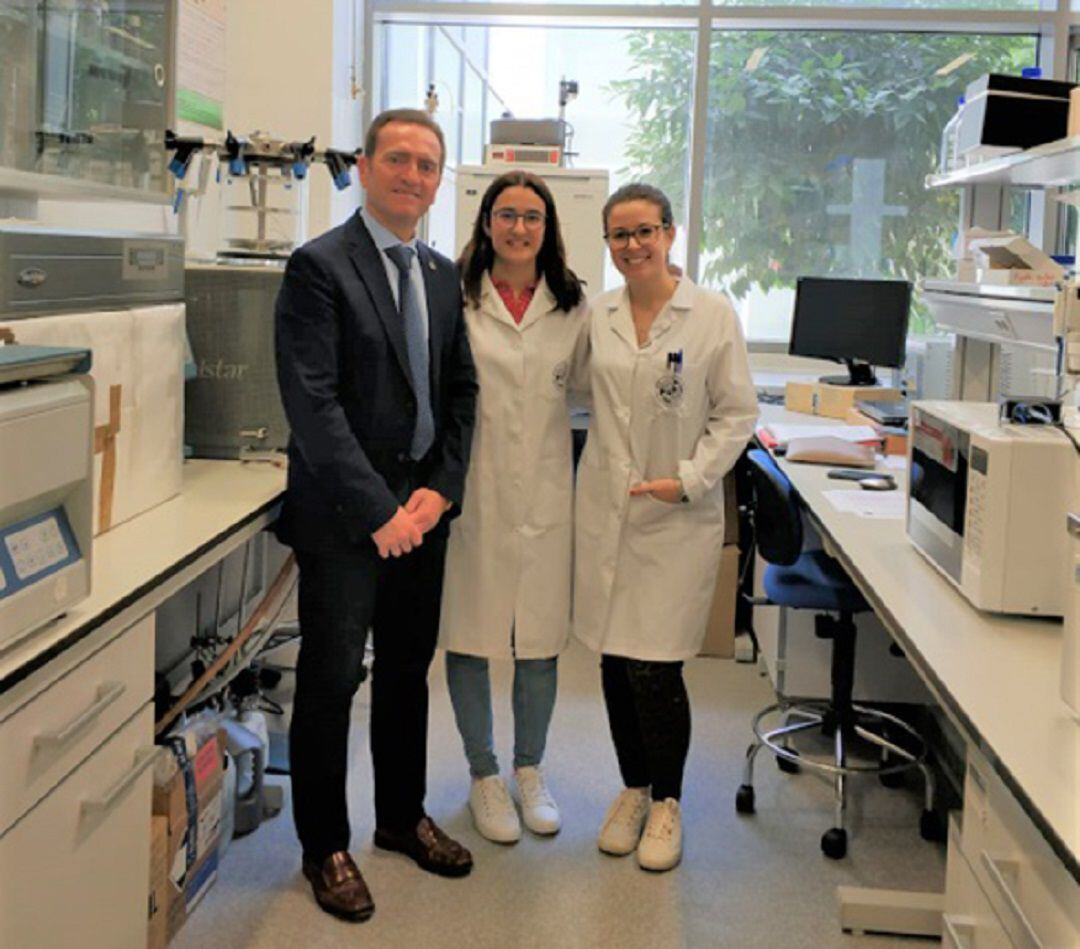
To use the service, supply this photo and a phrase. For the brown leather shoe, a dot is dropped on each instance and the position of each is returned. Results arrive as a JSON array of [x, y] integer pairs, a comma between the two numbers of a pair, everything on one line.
[[339, 888], [429, 847]]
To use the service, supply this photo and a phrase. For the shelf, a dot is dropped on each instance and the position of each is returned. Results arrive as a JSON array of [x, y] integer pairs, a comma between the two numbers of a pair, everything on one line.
[[990, 291], [1053, 165], [1019, 316]]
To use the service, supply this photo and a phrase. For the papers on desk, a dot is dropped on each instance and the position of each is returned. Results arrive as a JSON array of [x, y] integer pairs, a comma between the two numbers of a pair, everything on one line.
[[885, 505], [781, 434], [897, 462]]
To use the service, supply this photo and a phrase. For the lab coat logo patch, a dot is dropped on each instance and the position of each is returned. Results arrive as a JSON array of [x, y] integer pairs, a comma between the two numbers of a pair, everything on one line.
[[560, 374], [669, 390]]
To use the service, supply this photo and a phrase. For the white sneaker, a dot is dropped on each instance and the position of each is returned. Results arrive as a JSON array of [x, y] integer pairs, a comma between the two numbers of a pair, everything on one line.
[[661, 843], [493, 810], [622, 825], [538, 808]]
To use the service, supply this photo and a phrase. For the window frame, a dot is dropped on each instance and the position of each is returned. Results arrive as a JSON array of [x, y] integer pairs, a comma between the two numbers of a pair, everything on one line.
[[1056, 28]]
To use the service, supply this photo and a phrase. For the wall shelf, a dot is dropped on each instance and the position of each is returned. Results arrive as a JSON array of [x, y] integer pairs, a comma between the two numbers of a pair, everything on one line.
[[1019, 316], [1053, 165]]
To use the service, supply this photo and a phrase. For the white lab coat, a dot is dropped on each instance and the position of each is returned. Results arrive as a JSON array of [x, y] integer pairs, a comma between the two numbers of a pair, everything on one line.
[[508, 565], [645, 570]]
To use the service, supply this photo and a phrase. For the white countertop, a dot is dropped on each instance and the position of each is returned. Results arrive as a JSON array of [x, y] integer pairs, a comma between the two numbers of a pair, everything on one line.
[[134, 562], [998, 675]]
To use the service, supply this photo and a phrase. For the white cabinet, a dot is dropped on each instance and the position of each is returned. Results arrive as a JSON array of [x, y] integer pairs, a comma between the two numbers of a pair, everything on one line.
[[75, 800], [1034, 900]]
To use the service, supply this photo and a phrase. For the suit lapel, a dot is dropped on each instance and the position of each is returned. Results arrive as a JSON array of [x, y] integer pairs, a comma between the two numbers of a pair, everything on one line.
[[436, 319], [368, 262]]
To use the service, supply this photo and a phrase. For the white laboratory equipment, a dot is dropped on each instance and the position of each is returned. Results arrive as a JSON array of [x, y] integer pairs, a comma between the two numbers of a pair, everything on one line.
[[119, 295], [46, 485], [579, 195], [986, 501]]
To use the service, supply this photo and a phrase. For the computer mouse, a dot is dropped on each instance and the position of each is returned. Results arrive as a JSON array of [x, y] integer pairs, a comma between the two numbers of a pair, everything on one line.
[[883, 483]]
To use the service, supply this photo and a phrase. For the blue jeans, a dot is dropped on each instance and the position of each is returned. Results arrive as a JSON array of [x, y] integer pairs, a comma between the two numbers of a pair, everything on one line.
[[535, 683]]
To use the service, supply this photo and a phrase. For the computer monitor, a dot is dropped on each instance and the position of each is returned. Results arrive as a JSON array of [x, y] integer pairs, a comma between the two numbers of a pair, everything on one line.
[[862, 323]]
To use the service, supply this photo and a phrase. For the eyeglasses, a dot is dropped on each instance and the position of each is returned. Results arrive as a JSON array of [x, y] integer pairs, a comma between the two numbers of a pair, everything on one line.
[[643, 234], [508, 217]]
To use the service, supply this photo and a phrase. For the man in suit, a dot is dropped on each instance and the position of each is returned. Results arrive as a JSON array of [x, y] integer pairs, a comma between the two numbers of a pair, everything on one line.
[[379, 388]]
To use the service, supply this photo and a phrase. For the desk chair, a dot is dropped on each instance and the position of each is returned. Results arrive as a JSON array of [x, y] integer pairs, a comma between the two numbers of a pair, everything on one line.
[[809, 579]]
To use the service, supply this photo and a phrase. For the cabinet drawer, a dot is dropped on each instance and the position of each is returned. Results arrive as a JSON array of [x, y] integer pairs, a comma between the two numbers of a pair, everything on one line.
[[968, 921], [1033, 894], [45, 739], [74, 871]]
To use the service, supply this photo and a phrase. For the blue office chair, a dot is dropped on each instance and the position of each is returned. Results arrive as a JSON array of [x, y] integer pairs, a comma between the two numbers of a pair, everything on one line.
[[809, 579]]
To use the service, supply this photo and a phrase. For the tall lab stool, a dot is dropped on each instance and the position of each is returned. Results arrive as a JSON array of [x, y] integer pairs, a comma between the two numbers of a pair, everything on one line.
[[809, 579]]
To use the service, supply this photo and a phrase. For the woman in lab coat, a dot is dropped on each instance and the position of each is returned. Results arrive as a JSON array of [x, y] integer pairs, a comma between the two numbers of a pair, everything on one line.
[[508, 568], [673, 407]]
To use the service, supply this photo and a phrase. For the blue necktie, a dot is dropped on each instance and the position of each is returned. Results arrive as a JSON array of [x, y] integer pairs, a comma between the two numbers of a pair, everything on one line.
[[416, 343]]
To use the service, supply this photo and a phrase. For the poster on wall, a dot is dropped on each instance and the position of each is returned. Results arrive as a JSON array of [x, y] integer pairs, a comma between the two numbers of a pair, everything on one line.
[[200, 62]]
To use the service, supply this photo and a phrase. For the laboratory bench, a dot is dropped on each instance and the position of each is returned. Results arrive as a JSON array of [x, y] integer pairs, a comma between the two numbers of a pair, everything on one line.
[[77, 718], [997, 677]]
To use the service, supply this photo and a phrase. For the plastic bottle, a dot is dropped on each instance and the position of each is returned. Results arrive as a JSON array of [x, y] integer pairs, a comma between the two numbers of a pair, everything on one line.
[[948, 158]]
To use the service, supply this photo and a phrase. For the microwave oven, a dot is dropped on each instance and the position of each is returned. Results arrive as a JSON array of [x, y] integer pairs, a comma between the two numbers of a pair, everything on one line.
[[986, 501]]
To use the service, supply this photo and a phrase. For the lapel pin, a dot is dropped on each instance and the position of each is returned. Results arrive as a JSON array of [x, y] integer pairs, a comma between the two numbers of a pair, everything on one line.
[[431, 265]]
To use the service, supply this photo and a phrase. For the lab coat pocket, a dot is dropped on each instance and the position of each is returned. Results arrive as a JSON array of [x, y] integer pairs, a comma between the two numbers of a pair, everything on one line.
[[552, 501], [649, 515], [594, 505]]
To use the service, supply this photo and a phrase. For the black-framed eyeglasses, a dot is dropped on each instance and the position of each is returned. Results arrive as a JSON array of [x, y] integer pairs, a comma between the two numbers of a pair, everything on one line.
[[643, 234], [508, 217]]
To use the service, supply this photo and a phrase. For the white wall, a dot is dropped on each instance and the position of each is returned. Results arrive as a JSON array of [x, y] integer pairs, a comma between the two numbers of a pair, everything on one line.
[[288, 74]]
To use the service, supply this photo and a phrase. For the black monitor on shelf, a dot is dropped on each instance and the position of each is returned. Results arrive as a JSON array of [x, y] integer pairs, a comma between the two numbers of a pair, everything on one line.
[[862, 323]]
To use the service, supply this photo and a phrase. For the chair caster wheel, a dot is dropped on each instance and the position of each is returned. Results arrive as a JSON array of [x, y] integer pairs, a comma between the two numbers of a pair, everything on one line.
[[788, 766], [931, 826], [892, 779], [834, 843], [744, 799]]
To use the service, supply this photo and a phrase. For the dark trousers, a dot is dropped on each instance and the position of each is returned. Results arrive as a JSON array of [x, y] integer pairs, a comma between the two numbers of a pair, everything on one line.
[[341, 597], [649, 715]]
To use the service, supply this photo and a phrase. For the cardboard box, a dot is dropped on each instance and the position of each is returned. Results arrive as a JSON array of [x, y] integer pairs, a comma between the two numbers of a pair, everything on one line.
[[157, 905], [801, 397], [837, 401], [190, 796], [731, 510], [819, 398], [720, 631]]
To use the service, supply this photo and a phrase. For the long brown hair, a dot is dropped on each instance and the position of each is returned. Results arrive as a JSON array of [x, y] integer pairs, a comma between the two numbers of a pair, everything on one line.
[[479, 254]]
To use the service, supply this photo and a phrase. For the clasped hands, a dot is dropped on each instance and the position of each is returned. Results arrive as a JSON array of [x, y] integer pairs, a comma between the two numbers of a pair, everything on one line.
[[406, 529]]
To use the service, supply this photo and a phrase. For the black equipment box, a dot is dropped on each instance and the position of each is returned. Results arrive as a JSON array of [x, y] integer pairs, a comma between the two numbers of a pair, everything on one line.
[[1002, 113]]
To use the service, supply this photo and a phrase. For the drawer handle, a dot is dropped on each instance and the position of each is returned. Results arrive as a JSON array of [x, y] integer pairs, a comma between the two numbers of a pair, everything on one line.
[[994, 868], [144, 757], [957, 931], [107, 693]]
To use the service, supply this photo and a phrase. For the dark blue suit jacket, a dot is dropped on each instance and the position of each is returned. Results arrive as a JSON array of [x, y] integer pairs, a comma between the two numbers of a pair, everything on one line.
[[343, 369]]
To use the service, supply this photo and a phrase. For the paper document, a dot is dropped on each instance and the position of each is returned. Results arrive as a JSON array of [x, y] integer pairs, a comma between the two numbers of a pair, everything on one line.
[[783, 433], [894, 462], [890, 505]]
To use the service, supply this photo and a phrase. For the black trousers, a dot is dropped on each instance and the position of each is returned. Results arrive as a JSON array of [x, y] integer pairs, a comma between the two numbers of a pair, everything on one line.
[[649, 715], [341, 597]]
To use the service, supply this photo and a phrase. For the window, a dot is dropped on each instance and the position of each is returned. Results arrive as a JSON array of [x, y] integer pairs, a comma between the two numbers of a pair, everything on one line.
[[814, 141], [817, 149], [519, 68]]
